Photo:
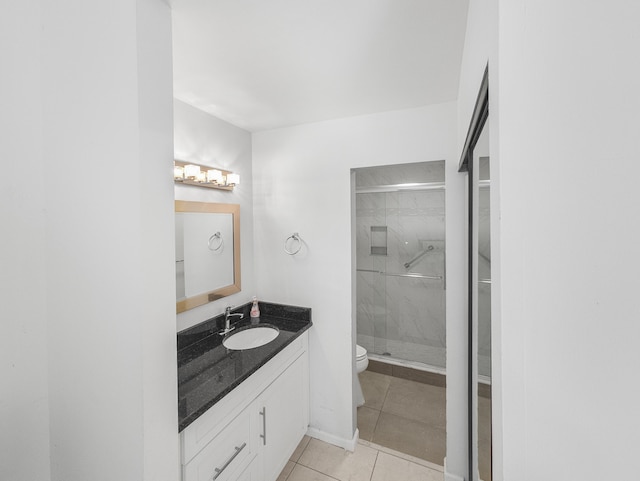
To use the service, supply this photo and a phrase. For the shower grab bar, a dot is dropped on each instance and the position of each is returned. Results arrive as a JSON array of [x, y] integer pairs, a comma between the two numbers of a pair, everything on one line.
[[390, 274], [417, 257]]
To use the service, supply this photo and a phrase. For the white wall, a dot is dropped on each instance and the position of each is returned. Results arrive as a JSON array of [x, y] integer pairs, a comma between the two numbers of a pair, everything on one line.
[[302, 184], [479, 48], [563, 95], [24, 399], [204, 139], [569, 112], [92, 392], [155, 123]]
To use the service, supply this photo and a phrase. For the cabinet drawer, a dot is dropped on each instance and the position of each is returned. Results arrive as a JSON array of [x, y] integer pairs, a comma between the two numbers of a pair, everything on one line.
[[232, 448], [252, 473]]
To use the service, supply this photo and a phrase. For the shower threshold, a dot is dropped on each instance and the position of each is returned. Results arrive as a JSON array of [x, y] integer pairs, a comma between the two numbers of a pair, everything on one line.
[[387, 358]]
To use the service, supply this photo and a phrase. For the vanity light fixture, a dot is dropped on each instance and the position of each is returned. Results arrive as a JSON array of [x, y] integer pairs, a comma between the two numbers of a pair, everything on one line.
[[215, 175], [203, 176], [233, 179]]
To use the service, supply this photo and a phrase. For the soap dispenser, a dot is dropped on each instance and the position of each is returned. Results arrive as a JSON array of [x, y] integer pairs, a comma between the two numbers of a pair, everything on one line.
[[255, 310]]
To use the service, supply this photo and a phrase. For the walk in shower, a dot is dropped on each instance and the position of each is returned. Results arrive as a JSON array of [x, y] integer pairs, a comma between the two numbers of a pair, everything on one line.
[[400, 266]]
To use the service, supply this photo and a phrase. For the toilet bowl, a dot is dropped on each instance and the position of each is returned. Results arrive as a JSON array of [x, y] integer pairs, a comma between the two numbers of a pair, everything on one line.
[[362, 361]]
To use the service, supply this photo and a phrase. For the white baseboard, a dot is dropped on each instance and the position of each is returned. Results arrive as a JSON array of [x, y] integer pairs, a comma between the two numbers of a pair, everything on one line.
[[450, 477], [348, 444]]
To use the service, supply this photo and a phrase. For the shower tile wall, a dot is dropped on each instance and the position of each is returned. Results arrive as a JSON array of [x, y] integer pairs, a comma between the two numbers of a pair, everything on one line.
[[402, 316]]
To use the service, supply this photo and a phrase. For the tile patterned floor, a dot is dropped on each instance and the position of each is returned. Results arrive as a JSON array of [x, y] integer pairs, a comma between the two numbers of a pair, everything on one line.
[[402, 437], [316, 460], [403, 415]]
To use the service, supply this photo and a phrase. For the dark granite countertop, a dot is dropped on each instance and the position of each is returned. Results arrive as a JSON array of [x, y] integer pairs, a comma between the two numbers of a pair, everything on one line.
[[207, 371]]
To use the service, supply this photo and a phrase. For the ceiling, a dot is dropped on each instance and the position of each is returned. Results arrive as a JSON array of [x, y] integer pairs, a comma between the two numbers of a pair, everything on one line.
[[264, 64]]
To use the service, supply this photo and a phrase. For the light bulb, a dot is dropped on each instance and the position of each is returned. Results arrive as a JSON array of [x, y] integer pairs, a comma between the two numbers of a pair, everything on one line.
[[233, 179], [191, 171], [214, 175]]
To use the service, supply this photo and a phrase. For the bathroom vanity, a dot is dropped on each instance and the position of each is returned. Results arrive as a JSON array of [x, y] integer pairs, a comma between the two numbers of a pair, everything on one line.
[[242, 413]]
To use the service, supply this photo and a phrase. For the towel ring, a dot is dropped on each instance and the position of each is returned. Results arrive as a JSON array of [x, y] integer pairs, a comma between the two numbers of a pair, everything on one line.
[[296, 238], [218, 236]]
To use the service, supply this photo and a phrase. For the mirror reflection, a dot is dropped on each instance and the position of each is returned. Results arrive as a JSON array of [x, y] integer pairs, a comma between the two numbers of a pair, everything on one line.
[[204, 251], [207, 252], [482, 188]]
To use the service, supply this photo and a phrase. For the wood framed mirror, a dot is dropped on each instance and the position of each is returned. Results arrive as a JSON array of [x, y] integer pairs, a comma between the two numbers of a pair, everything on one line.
[[207, 252]]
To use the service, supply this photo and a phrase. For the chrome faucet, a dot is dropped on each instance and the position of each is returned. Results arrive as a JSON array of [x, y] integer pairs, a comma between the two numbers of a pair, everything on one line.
[[227, 323]]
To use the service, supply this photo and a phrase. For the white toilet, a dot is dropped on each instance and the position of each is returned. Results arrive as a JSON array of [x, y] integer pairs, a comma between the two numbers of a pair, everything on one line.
[[362, 361]]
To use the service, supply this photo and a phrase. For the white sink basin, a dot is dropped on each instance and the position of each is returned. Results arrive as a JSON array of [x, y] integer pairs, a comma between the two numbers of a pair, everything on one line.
[[250, 338]]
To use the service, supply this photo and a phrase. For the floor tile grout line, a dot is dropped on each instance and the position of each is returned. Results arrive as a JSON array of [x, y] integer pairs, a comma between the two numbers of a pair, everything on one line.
[[294, 467], [400, 415], [378, 451], [386, 394], [298, 458], [406, 457], [303, 450], [417, 421], [413, 462], [309, 467], [374, 465], [375, 426], [319, 472]]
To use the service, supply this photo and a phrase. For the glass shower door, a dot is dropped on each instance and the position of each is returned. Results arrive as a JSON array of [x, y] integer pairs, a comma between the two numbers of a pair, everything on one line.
[[372, 245], [416, 330], [400, 269]]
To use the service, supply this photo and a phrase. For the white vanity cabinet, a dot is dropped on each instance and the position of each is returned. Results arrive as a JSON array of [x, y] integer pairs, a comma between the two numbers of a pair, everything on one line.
[[250, 433], [283, 418]]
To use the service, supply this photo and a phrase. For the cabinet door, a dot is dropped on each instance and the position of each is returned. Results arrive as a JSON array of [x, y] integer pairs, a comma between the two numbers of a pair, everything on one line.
[[282, 418]]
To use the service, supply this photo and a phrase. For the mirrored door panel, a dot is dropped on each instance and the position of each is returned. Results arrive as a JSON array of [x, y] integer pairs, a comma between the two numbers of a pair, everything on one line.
[[482, 303], [476, 164]]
